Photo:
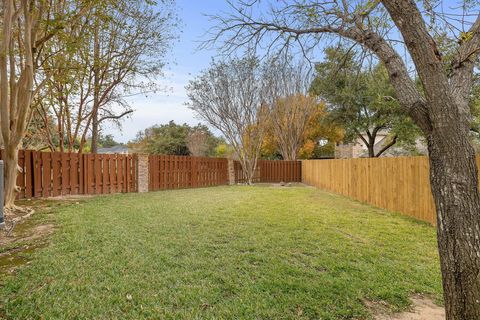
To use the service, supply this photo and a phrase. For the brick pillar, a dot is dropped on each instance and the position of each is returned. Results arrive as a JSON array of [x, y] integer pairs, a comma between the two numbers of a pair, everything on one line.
[[231, 172], [142, 172]]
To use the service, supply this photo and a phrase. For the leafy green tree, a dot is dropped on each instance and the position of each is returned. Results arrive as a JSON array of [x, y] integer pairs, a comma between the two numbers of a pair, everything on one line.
[[224, 150], [118, 51], [107, 141], [173, 139], [362, 101], [27, 30], [201, 142]]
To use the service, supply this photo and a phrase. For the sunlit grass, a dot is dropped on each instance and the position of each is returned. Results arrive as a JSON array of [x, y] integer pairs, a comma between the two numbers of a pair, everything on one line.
[[224, 253]]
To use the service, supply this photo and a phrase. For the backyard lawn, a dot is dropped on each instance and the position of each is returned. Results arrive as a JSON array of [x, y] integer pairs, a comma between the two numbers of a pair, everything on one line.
[[224, 253]]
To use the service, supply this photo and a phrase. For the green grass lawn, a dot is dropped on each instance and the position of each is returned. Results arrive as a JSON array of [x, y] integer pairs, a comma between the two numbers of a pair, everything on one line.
[[224, 253]]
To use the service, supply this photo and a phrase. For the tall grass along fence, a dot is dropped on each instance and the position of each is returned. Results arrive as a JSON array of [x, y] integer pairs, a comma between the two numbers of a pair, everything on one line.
[[272, 171], [51, 174], [175, 172], [397, 184]]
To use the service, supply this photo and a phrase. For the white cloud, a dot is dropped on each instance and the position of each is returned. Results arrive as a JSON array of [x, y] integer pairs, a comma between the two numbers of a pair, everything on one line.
[[156, 108]]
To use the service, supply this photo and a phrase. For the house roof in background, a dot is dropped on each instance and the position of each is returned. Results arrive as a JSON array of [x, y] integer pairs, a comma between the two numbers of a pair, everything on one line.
[[114, 149]]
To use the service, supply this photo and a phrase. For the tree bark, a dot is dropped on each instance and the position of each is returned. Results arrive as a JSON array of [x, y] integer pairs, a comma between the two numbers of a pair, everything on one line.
[[96, 90], [369, 142], [388, 146], [453, 168], [94, 148], [11, 167], [371, 150], [249, 167], [454, 183]]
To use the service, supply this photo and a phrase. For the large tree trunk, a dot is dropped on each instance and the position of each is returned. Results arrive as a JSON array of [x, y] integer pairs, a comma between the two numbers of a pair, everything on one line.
[[95, 131], [249, 167], [289, 155], [369, 142], [11, 167], [454, 182], [96, 91], [371, 150]]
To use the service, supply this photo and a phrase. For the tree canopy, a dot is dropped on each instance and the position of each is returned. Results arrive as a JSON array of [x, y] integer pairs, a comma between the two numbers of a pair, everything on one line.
[[231, 96], [173, 139], [298, 128], [362, 101]]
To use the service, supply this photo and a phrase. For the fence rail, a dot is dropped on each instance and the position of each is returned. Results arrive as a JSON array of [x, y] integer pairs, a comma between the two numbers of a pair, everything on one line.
[[397, 184], [272, 171], [175, 172]]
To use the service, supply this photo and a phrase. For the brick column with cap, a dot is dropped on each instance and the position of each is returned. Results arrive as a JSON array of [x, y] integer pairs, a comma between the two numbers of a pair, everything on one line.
[[142, 173], [231, 172]]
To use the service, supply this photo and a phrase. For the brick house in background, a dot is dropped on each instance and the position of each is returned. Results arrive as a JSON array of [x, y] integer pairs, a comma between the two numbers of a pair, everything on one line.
[[357, 148]]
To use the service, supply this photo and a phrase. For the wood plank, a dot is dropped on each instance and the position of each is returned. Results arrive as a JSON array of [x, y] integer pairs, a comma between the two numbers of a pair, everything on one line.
[[112, 172], [128, 174], [28, 174], [21, 175], [56, 172], [74, 185], [98, 173], [105, 178], [46, 174]]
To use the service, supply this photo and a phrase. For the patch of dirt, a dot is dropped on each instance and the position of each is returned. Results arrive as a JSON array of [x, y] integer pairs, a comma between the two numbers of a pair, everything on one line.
[[16, 244], [16, 214], [422, 309], [72, 197], [40, 231], [19, 225], [23, 234]]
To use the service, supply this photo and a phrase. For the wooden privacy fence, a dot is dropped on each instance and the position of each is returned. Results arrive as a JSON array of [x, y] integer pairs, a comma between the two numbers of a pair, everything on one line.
[[109, 173], [272, 171], [175, 172], [397, 184], [239, 176], [51, 174]]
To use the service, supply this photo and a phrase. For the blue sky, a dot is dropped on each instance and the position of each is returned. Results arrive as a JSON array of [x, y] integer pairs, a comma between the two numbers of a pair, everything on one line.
[[186, 62]]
